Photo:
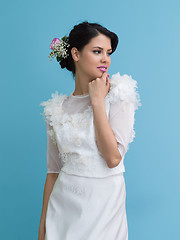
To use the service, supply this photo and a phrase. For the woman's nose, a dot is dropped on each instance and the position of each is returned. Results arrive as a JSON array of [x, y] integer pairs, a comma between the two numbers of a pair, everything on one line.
[[105, 58]]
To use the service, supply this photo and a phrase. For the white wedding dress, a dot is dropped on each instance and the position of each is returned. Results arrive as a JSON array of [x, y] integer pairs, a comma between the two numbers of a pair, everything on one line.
[[88, 200]]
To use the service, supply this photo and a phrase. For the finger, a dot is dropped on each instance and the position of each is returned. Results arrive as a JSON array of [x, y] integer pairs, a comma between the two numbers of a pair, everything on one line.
[[108, 81], [107, 78], [105, 75]]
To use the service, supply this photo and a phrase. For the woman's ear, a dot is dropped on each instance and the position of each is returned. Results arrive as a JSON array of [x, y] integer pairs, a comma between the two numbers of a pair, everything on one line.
[[75, 54]]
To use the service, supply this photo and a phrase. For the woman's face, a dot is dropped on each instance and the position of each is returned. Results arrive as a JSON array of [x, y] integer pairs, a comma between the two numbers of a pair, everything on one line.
[[95, 54]]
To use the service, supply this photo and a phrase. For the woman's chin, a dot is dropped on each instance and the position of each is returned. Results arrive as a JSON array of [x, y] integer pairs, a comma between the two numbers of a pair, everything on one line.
[[97, 74]]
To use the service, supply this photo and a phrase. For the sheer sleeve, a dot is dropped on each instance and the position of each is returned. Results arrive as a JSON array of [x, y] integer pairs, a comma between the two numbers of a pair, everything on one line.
[[53, 159], [124, 101], [122, 121], [51, 115]]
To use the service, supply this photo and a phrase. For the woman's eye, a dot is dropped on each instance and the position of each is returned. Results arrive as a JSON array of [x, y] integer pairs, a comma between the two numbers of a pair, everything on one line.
[[100, 51], [96, 51]]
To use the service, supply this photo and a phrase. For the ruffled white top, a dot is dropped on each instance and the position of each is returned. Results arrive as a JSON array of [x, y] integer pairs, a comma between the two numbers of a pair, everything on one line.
[[71, 142]]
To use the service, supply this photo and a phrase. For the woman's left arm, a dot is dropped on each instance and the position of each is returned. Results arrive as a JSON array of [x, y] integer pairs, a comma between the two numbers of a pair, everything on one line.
[[106, 141]]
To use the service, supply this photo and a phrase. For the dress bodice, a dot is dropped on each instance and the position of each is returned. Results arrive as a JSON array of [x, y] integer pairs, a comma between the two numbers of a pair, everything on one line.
[[71, 141]]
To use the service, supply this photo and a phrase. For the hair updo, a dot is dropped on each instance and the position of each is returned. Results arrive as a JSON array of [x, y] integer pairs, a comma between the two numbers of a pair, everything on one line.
[[80, 36]]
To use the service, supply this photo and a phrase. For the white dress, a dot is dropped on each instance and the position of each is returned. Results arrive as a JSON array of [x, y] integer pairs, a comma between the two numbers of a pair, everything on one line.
[[88, 200]]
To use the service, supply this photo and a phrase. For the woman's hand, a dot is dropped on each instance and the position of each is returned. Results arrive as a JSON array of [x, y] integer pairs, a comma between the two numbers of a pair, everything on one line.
[[99, 87]]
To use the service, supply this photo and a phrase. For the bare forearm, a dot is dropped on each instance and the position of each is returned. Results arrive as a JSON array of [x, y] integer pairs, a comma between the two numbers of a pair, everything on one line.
[[50, 180], [105, 138]]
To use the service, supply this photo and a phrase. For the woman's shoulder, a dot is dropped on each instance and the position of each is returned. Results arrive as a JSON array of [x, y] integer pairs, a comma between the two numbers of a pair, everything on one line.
[[55, 99], [124, 88], [52, 106]]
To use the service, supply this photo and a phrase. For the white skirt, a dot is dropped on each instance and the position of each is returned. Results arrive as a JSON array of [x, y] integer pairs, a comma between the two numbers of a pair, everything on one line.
[[84, 208]]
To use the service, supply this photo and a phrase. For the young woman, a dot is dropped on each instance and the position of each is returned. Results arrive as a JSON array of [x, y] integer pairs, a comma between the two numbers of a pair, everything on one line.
[[88, 133]]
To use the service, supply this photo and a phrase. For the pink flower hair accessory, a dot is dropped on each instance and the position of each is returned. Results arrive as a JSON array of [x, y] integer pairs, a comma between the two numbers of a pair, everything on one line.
[[59, 48]]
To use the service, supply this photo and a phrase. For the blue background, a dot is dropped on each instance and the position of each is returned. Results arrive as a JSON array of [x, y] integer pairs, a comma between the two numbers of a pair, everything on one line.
[[148, 50]]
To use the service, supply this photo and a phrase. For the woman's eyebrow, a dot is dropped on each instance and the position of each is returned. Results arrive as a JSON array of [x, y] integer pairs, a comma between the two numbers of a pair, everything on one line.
[[101, 48]]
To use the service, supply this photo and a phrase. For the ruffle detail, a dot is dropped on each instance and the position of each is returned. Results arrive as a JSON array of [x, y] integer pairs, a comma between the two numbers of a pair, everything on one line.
[[131, 138], [124, 88], [52, 135], [53, 108]]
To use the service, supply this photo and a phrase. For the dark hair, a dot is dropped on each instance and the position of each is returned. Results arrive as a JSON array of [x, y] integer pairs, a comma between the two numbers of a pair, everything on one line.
[[80, 36]]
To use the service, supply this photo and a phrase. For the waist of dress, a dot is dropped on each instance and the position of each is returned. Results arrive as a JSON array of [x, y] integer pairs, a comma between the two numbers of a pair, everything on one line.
[[88, 166]]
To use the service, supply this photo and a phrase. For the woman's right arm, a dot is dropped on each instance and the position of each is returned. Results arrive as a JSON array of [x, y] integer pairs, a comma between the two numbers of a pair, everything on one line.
[[53, 169], [49, 183]]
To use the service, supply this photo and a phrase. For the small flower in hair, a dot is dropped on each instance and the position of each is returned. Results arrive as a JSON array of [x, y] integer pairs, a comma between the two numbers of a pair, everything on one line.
[[59, 48], [54, 42]]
